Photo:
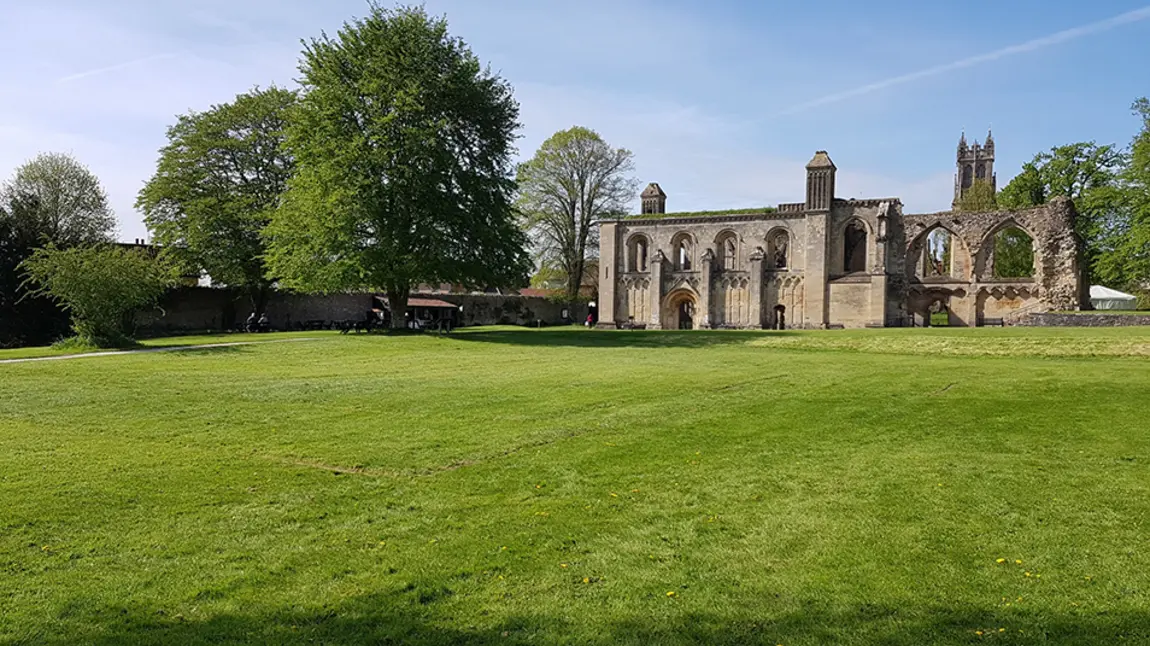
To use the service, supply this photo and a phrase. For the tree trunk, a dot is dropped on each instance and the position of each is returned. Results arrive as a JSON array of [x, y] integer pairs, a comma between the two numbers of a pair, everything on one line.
[[397, 303]]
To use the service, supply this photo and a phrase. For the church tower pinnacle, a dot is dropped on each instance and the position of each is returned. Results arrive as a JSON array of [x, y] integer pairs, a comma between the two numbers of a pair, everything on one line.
[[975, 163]]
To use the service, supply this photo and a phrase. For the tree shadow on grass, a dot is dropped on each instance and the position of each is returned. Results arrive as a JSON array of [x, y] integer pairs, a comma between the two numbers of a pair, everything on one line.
[[617, 338], [417, 617]]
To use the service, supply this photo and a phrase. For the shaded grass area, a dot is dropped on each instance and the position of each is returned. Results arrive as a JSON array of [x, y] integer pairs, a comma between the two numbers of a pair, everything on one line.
[[557, 486]]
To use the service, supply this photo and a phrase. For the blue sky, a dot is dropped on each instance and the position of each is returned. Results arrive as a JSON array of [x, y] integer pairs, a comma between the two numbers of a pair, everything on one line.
[[722, 102]]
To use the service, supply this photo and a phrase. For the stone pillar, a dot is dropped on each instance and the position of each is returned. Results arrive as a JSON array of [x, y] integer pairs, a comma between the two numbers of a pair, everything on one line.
[[878, 279], [815, 289], [703, 320], [656, 291], [756, 305], [608, 274]]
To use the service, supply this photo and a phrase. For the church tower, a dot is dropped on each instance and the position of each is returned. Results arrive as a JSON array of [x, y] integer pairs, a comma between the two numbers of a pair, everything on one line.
[[975, 164], [654, 200]]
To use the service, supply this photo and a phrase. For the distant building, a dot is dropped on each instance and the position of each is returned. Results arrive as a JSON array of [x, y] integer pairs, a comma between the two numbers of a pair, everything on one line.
[[829, 262]]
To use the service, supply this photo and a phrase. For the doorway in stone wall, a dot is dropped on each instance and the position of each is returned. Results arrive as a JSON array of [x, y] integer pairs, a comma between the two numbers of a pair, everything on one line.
[[780, 322], [686, 315]]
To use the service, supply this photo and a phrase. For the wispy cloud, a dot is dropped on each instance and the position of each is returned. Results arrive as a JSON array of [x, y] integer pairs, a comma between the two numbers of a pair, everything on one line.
[[1127, 18], [113, 68]]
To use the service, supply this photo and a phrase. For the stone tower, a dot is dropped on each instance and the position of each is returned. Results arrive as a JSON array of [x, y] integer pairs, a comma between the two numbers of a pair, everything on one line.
[[975, 164], [654, 200], [820, 182]]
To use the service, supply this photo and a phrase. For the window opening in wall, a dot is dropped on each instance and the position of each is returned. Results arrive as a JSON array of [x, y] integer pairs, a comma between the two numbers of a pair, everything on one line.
[[780, 246], [780, 322], [728, 250], [683, 255], [1013, 254], [938, 254], [637, 255], [854, 247]]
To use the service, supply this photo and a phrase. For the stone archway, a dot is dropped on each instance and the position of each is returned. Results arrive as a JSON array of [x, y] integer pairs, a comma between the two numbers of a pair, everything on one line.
[[681, 311]]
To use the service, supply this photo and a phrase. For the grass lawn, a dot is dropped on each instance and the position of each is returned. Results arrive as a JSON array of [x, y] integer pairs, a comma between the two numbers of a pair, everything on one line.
[[939, 486]]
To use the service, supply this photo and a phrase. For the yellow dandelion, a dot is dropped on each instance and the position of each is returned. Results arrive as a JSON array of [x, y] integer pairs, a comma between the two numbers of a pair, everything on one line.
[[586, 580], [978, 632], [614, 495], [634, 491], [1001, 630], [562, 565], [1018, 561], [671, 593], [1027, 574], [1000, 561]]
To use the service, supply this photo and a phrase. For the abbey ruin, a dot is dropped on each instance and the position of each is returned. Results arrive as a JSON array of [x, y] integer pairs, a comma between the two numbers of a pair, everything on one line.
[[829, 262]]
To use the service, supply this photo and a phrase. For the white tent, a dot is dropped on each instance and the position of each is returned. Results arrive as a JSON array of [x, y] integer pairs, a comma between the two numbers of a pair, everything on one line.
[[1104, 298]]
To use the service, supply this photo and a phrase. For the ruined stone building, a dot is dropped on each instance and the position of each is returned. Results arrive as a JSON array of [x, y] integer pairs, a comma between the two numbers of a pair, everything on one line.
[[829, 262]]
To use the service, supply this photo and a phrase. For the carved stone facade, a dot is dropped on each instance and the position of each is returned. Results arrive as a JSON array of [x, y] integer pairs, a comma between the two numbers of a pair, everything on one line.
[[828, 262]]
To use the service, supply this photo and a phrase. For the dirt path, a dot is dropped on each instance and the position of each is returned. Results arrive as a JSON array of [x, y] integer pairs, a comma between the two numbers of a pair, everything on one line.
[[174, 348]]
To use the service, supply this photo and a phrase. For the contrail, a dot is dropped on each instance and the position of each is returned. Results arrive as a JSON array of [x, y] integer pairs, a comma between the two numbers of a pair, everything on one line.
[[1127, 18], [113, 68]]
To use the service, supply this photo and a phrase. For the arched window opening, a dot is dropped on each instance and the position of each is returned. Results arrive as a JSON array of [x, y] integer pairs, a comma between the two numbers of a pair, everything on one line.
[[967, 176], [980, 171], [938, 254], [684, 253], [1013, 254], [779, 248], [637, 254], [728, 252], [854, 247]]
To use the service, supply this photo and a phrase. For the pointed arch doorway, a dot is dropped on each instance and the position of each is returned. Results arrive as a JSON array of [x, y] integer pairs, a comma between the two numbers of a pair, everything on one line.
[[681, 310]]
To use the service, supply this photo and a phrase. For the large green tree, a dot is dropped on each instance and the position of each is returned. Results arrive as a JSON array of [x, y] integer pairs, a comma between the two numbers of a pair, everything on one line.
[[217, 183], [52, 199], [403, 143], [1087, 173], [1125, 260], [573, 181]]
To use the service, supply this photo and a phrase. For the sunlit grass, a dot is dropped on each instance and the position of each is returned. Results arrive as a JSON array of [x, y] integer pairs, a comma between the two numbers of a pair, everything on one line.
[[569, 486]]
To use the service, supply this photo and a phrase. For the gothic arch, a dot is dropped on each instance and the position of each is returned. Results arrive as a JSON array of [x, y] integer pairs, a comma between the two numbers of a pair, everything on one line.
[[951, 256], [780, 245], [638, 258], [681, 310], [855, 241], [984, 262], [684, 251], [727, 250]]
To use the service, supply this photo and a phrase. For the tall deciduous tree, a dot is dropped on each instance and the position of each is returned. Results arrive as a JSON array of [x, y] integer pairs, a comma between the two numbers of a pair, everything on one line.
[[573, 181], [403, 145], [1126, 258], [217, 183], [1088, 174], [51, 199]]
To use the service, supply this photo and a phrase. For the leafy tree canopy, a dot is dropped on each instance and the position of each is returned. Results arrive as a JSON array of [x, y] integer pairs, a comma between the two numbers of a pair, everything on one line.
[[403, 145], [51, 199], [99, 286], [217, 183], [573, 181], [978, 198]]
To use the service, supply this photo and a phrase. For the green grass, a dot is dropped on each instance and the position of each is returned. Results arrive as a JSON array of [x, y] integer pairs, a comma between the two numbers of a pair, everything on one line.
[[758, 210], [542, 487]]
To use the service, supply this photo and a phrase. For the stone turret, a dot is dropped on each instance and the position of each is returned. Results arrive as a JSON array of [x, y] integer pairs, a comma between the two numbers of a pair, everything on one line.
[[820, 182], [654, 200]]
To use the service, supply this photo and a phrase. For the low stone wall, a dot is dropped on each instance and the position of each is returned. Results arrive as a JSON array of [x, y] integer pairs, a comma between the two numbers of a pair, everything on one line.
[[1066, 319], [204, 308]]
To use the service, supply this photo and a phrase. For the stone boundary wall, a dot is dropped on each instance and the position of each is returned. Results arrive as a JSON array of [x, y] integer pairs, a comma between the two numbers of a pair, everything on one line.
[[193, 309], [1054, 319]]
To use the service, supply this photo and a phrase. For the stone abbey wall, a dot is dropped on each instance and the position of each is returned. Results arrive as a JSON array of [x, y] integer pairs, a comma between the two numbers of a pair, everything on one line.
[[849, 263]]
